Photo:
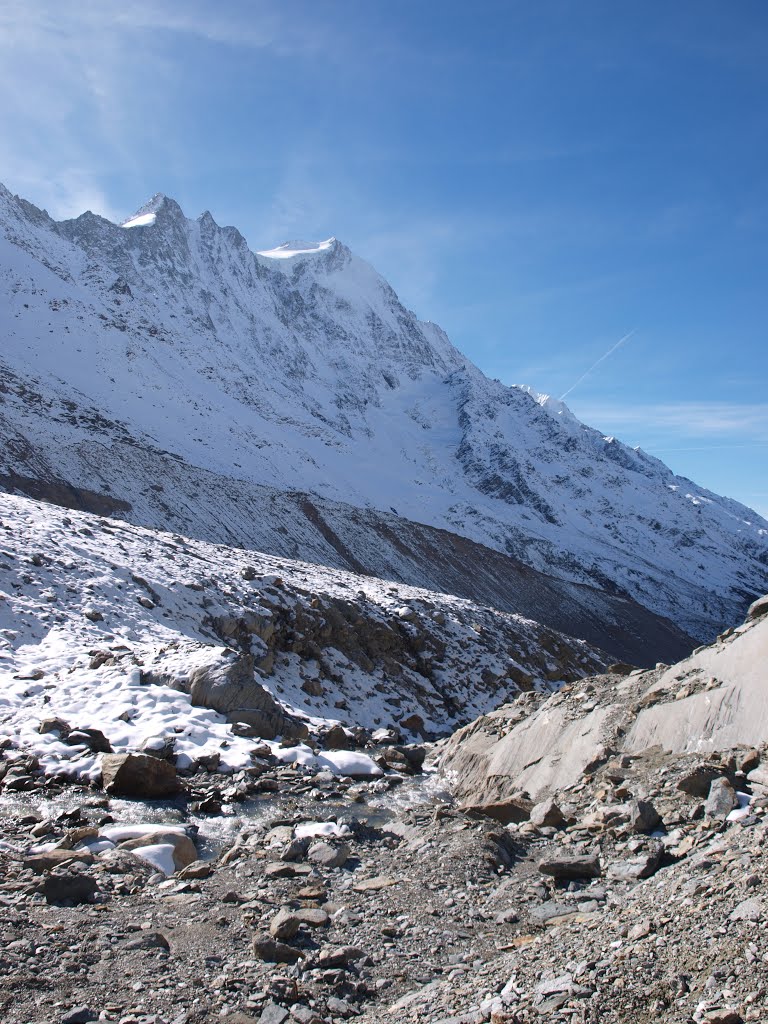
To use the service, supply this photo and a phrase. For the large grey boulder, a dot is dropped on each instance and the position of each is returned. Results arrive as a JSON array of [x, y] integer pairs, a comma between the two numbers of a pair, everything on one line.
[[230, 687], [138, 775]]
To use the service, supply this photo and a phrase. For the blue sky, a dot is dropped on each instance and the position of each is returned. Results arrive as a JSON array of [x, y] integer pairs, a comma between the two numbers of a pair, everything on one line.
[[539, 178]]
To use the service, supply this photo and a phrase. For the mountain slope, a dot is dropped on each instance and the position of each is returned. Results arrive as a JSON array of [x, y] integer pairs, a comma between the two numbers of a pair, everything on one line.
[[166, 341]]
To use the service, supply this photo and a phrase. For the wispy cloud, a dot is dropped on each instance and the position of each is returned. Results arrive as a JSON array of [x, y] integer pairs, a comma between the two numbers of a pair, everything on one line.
[[685, 419], [84, 81]]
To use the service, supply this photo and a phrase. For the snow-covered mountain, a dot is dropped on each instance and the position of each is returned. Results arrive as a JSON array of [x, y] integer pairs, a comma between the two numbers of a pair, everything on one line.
[[287, 401]]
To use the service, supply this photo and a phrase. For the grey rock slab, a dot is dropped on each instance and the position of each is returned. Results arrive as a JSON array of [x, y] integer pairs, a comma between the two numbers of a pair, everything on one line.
[[571, 866], [273, 1013]]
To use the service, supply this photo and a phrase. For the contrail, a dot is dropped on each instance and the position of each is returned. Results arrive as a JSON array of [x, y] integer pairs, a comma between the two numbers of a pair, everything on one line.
[[610, 351]]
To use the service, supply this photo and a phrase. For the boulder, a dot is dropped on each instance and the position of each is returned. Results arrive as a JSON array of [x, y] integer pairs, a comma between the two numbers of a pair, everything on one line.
[[274, 952], [69, 888], [643, 816], [571, 866], [547, 814], [721, 799], [515, 809], [230, 687], [184, 850], [138, 775], [758, 608], [326, 855]]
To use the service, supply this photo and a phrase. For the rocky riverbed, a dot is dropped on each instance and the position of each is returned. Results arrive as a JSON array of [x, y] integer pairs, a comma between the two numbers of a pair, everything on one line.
[[295, 895]]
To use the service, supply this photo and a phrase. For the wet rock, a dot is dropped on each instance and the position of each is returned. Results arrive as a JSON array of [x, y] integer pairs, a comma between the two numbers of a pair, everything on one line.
[[138, 775]]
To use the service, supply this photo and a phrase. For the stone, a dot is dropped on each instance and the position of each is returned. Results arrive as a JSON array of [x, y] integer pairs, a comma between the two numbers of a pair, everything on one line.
[[40, 862], [547, 814], [94, 739], [184, 850], [721, 799], [69, 888], [513, 810], [326, 855], [374, 884], [723, 1016], [758, 608], [79, 1015], [642, 866], [274, 952], [138, 775], [697, 781], [337, 738], [566, 866], [747, 910], [54, 725], [196, 869], [313, 917], [284, 925], [643, 816], [230, 687], [273, 1013], [148, 940], [339, 956]]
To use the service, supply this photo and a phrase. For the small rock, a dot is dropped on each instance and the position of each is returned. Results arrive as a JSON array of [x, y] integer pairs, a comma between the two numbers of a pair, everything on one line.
[[148, 940], [339, 956]]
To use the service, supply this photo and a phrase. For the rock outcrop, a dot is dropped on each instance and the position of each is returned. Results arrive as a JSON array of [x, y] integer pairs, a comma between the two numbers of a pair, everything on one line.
[[713, 701]]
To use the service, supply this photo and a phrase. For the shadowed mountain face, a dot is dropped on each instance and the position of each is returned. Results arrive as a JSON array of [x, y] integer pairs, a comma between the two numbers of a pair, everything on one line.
[[163, 373]]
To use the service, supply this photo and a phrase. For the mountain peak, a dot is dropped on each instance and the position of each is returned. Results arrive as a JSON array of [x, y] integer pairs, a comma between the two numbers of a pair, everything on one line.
[[148, 213], [298, 247]]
